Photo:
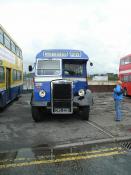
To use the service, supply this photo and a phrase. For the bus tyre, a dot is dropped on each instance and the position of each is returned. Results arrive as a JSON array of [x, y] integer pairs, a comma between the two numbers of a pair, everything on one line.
[[17, 98], [125, 92], [36, 114], [84, 113]]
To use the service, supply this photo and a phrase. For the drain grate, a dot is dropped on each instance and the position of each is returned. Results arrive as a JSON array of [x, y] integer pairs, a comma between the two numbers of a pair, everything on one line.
[[126, 145]]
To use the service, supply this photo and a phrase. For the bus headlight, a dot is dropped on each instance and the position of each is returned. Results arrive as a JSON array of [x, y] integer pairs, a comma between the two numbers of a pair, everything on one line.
[[42, 93], [81, 92]]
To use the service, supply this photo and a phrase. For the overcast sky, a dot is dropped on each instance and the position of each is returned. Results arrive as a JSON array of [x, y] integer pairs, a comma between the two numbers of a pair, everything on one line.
[[101, 28]]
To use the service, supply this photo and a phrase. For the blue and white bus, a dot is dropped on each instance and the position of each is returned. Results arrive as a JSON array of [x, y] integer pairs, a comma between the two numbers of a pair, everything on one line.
[[60, 84]]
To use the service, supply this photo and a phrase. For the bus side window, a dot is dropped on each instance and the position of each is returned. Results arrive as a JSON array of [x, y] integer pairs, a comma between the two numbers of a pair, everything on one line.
[[1, 37], [122, 62], [2, 75], [130, 59], [18, 75], [14, 75], [13, 47], [129, 78], [7, 41], [125, 78], [127, 60], [17, 51], [20, 54], [122, 78]]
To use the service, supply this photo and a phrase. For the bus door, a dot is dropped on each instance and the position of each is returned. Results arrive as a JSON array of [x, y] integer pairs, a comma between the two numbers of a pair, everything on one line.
[[8, 78]]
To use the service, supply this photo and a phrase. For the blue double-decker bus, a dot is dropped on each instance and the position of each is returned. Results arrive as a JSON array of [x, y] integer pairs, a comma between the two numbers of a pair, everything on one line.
[[60, 84]]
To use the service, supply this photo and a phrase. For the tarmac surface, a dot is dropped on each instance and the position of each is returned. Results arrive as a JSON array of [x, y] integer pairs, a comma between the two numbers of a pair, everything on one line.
[[104, 159], [66, 144], [18, 130]]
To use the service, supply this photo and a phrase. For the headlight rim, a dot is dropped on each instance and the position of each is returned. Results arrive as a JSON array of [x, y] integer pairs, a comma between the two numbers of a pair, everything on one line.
[[44, 93], [81, 92]]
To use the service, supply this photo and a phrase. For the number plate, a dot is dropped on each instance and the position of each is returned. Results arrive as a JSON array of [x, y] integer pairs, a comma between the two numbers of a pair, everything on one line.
[[64, 110]]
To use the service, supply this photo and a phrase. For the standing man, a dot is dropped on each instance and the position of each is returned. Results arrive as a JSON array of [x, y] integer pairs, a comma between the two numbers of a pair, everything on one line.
[[118, 96]]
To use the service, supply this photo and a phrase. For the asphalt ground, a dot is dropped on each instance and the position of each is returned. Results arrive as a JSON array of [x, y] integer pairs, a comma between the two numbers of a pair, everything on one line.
[[89, 160], [18, 130], [18, 127], [66, 144]]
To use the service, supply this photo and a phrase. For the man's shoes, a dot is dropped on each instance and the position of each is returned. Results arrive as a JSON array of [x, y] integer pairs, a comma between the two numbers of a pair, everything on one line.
[[118, 120]]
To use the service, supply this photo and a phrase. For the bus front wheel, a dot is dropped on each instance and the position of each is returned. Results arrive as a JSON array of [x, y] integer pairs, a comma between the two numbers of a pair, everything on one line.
[[125, 92], [84, 112], [36, 114]]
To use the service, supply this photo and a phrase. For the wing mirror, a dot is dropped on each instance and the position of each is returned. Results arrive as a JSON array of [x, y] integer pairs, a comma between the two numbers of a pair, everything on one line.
[[30, 68], [91, 64]]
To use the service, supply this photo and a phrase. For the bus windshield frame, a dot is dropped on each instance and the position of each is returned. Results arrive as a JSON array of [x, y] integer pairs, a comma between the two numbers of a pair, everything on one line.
[[48, 72], [73, 69]]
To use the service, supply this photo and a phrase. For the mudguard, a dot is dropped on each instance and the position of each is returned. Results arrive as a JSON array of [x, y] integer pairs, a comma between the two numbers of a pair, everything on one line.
[[87, 100]]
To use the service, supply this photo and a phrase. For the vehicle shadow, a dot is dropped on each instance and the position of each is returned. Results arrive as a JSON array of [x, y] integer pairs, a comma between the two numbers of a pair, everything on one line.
[[60, 117]]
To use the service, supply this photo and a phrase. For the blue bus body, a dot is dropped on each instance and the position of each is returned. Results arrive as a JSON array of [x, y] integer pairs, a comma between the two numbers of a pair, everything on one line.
[[60, 83]]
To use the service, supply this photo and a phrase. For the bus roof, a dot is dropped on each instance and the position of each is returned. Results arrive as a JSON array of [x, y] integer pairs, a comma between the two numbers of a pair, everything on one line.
[[63, 54], [129, 55]]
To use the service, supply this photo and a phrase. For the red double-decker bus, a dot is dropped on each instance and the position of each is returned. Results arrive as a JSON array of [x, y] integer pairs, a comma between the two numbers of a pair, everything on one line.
[[125, 74]]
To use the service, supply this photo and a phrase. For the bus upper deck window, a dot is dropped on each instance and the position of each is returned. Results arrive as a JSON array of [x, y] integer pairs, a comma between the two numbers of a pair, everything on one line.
[[17, 51], [13, 47], [7, 41], [130, 59], [127, 60], [122, 62], [1, 37]]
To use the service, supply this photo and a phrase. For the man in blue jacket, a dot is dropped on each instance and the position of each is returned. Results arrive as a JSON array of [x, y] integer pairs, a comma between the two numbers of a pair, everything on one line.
[[118, 96]]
